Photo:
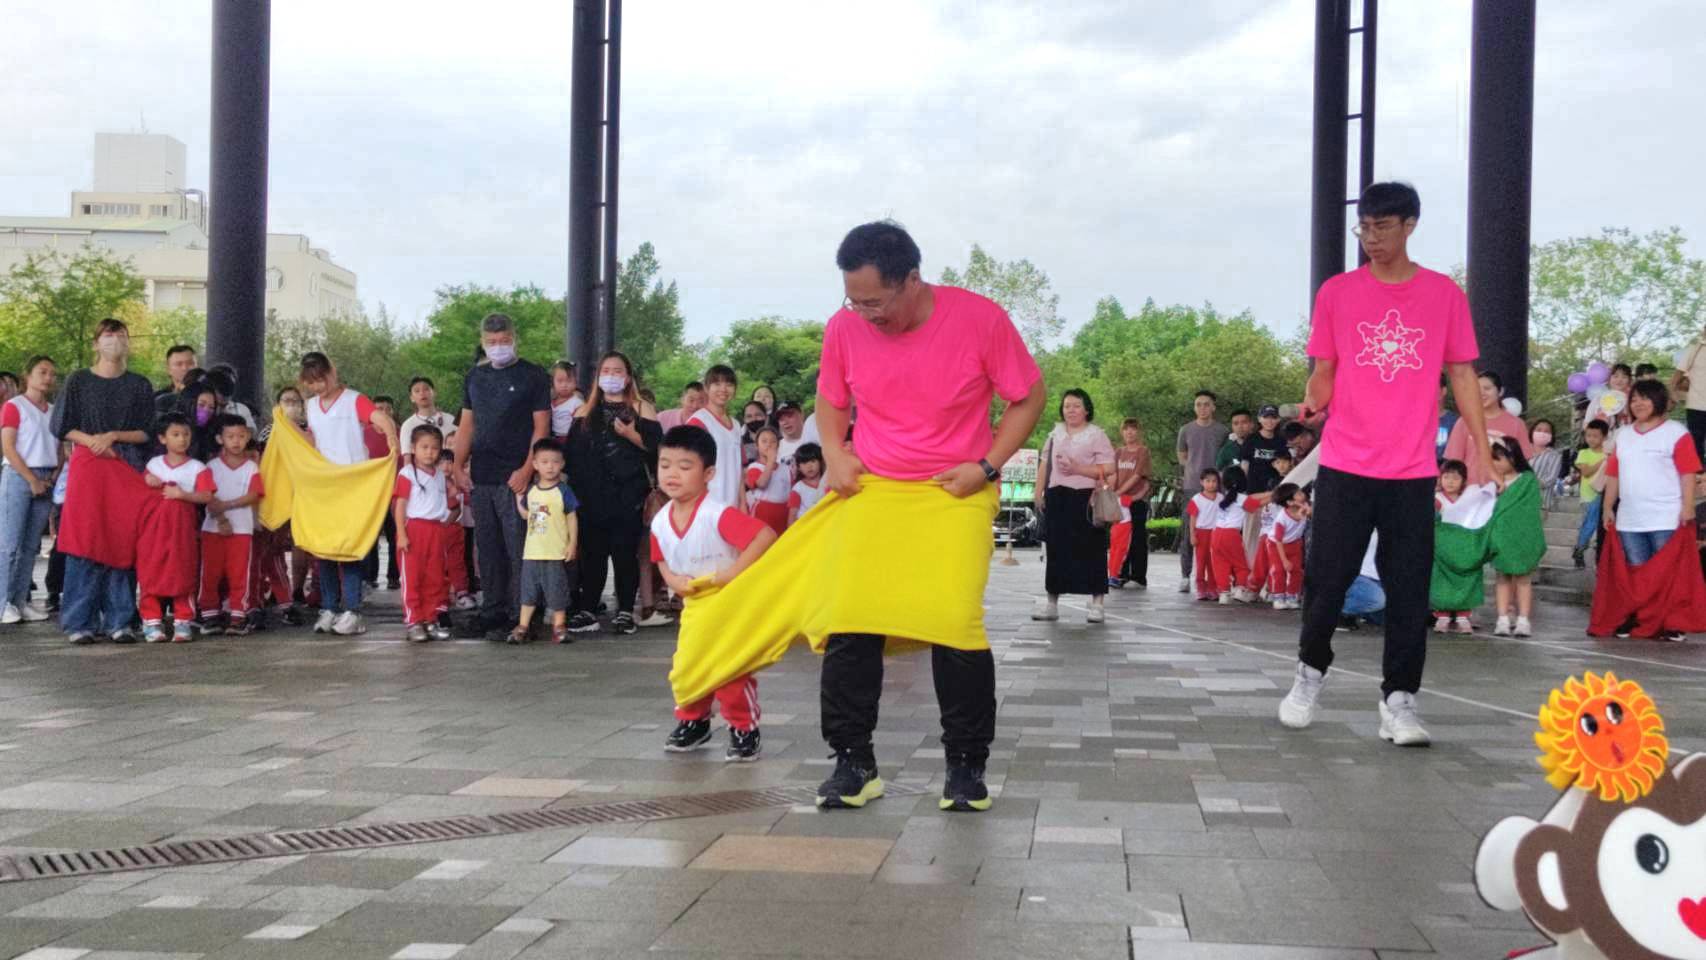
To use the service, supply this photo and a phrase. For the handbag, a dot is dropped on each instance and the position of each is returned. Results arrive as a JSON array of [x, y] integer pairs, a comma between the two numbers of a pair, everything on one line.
[[656, 499], [1104, 507]]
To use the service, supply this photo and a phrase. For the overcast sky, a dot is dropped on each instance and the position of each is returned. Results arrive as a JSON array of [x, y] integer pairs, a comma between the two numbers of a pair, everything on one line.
[[1140, 149]]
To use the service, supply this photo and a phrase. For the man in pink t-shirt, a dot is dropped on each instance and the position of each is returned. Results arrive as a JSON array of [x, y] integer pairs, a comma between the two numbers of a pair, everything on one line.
[[921, 363], [1380, 337]]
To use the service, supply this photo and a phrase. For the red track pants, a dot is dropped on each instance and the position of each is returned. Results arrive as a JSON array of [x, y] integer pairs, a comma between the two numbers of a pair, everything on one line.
[[226, 560], [1203, 541], [1230, 567], [738, 700], [1280, 583], [426, 579], [456, 558], [152, 608]]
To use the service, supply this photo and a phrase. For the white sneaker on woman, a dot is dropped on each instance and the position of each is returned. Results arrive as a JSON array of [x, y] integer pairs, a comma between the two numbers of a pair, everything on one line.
[[33, 614], [1522, 628], [1096, 614], [1046, 610], [1298, 708], [11, 615], [1502, 628], [349, 624]]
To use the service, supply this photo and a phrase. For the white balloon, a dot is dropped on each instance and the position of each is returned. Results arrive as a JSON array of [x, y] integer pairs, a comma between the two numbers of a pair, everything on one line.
[[1596, 391], [1513, 406]]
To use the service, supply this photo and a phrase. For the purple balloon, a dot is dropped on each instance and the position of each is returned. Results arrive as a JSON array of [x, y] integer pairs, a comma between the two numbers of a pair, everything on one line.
[[1578, 383], [1598, 373]]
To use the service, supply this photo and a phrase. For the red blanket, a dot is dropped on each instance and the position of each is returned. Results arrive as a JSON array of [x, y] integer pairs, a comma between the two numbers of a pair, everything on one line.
[[104, 504], [168, 552], [1665, 593]]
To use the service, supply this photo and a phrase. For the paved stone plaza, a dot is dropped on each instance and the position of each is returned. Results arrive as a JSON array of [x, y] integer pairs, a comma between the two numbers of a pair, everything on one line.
[[1150, 804]]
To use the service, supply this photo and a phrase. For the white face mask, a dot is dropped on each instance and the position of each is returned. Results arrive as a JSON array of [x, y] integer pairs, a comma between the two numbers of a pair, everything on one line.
[[501, 354], [111, 347], [613, 386]]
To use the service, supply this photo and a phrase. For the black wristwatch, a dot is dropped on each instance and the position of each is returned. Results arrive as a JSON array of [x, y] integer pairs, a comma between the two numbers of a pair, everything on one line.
[[989, 472]]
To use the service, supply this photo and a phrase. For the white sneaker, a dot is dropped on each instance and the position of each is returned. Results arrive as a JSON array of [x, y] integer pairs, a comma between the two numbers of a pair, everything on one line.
[[349, 624], [1298, 708], [324, 624], [1280, 604], [1503, 627], [1399, 724], [1225, 599], [657, 620], [1442, 624], [11, 614], [33, 614], [1522, 629], [1045, 611], [1292, 604], [1096, 614], [1184, 586]]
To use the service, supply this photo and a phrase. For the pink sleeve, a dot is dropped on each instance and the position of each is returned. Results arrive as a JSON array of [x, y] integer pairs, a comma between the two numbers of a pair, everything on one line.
[[1520, 433], [1321, 345], [1103, 448], [9, 416], [832, 370], [739, 529], [256, 487], [363, 408], [1008, 362], [1687, 461], [204, 481], [657, 548], [1460, 345]]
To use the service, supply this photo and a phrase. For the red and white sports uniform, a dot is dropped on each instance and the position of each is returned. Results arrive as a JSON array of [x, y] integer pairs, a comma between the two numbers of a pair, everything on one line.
[[1649, 468], [340, 428], [227, 559], [1286, 538], [1231, 568], [804, 496], [712, 540], [425, 565], [726, 485], [187, 475], [35, 440], [1203, 511], [769, 503]]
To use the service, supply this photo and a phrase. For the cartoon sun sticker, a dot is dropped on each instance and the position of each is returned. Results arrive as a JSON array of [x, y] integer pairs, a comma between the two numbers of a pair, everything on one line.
[[1602, 734]]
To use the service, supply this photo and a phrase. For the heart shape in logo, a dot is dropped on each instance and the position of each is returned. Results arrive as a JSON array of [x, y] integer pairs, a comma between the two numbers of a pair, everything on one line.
[[1693, 913], [1390, 346]]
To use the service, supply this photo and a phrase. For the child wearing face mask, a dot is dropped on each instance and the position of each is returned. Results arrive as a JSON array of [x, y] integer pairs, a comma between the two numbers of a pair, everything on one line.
[[1547, 462]]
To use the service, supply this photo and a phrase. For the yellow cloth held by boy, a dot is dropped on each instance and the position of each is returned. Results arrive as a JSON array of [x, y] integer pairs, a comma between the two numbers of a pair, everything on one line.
[[906, 560], [334, 511]]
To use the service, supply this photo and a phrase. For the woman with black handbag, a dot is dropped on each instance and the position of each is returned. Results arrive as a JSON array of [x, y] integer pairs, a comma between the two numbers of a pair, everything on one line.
[[1077, 507], [613, 449]]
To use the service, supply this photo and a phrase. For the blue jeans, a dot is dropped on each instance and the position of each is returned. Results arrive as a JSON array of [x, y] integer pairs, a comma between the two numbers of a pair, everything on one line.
[[1366, 598], [97, 598], [1590, 522], [1640, 545], [23, 516], [340, 586]]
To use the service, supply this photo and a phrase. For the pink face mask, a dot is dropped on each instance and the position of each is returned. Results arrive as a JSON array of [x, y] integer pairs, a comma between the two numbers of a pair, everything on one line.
[[1542, 438]]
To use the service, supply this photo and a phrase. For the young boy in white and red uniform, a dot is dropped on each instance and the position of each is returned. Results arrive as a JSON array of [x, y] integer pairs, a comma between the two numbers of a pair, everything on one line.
[[424, 508], [1201, 515], [228, 532], [701, 544], [177, 476]]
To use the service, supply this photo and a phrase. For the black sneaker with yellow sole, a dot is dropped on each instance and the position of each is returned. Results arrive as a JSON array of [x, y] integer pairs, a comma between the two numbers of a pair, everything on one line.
[[965, 791], [853, 784]]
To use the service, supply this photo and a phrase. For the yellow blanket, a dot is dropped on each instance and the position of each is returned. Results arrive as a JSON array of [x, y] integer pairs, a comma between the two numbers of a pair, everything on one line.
[[906, 560], [334, 512]]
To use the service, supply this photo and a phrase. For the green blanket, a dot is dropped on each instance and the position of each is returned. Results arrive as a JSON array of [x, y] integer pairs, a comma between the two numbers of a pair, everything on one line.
[[1459, 556], [1519, 538], [1514, 540]]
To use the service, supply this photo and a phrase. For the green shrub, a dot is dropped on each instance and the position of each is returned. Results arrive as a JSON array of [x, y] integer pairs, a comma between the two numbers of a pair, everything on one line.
[[1163, 533]]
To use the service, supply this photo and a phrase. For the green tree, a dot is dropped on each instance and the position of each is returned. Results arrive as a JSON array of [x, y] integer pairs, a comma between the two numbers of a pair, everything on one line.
[[649, 324], [1020, 287], [780, 353], [59, 300], [371, 352]]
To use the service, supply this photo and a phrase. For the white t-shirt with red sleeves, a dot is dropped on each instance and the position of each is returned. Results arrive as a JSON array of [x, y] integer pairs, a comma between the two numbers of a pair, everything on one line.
[[1649, 467], [1232, 517], [726, 485], [1288, 529], [712, 541], [339, 428], [35, 441], [428, 494], [804, 496], [1205, 510], [188, 475], [1389, 342], [233, 483], [775, 490]]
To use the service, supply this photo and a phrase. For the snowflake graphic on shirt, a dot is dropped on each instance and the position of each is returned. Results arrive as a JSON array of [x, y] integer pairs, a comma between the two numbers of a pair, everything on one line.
[[1389, 346]]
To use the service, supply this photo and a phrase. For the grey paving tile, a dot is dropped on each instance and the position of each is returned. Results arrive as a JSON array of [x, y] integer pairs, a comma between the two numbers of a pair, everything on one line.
[[367, 873], [403, 924], [1058, 874], [21, 934], [177, 931], [291, 815]]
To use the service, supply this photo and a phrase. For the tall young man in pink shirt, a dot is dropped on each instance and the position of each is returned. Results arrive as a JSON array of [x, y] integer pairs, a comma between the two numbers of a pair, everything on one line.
[[921, 363], [1379, 337]]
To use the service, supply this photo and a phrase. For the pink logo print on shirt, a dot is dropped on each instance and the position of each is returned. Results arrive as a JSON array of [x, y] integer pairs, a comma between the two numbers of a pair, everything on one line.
[[1390, 346]]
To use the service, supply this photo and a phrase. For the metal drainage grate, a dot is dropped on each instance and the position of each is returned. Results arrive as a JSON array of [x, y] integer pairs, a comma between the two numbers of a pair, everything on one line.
[[257, 846]]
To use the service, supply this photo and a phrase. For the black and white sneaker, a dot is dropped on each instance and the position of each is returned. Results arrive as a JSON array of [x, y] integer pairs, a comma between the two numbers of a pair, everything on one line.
[[853, 784], [583, 622], [1626, 629], [623, 624], [689, 735], [965, 791], [744, 746]]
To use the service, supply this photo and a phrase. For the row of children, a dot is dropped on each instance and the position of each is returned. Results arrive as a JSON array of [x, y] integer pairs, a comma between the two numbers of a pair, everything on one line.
[[1227, 568]]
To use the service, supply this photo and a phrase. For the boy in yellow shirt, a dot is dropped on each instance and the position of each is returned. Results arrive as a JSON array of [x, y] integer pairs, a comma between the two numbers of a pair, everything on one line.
[[549, 508]]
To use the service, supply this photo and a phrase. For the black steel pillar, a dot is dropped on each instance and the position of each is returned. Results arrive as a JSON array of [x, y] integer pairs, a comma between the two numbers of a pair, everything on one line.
[[1328, 158], [237, 221], [594, 102], [1365, 108], [1501, 166]]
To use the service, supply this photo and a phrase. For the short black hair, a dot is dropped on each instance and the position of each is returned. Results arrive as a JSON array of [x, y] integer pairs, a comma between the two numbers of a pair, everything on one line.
[[806, 453], [1210, 472], [222, 383], [1646, 370], [1624, 369], [1457, 467], [1284, 492], [1241, 412], [883, 244], [1390, 199], [9, 375], [693, 440], [382, 398], [1493, 375], [1599, 425], [721, 373], [695, 385], [110, 325], [220, 422], [1205, 393], [178, 348], [1296, 429], [1084, 398], [224, 368], [547, 445], [171, 418], [425, 380], [1655, 391], [1506, 448], [315, 366], [754, 403], [425, 430]]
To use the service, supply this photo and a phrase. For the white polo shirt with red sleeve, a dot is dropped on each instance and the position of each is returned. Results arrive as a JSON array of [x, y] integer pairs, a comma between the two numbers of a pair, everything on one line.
[[35, 441], [1649, 467], [713, 539]]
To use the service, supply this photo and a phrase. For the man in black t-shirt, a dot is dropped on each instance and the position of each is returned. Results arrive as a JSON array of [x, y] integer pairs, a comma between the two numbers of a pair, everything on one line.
[[506, 407], [1260, 449]]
